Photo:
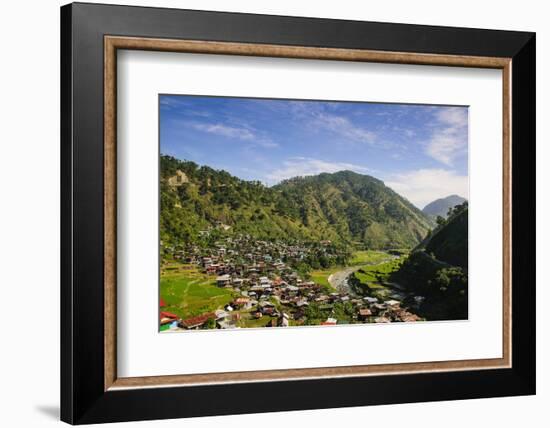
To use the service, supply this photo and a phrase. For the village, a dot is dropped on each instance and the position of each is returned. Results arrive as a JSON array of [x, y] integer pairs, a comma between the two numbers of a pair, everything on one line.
[[267, 290]]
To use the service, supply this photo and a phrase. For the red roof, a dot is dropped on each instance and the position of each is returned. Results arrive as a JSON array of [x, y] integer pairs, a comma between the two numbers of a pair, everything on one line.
[[162, 303], [168, 315], [200, 319]]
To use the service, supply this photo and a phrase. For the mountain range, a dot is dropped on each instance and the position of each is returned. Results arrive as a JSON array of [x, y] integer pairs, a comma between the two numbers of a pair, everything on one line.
[[344, 207], [440, 207]]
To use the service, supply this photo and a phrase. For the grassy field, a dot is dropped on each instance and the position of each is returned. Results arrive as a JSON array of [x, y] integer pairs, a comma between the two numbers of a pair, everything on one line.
[[375, 276], [188, 292], [368, 256], [379, 272], [321, 277]]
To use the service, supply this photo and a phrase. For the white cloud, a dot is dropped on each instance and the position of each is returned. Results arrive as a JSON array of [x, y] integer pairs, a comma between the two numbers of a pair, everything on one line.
[[320, 117], [223, 130], [425, 185], [343, 126], [301, 166], [170, 102], [238, 132], [453, 116], [265, 143], [450, 138], [444, 148]]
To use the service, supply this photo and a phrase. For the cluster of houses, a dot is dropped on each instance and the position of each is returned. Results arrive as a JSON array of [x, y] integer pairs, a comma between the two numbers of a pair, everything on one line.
[[268, 291], [242, 253]]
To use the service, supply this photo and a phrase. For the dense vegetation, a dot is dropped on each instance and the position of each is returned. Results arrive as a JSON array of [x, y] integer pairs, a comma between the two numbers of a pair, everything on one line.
[[438, 268], [344, 207], [316, 313], [449, 241]]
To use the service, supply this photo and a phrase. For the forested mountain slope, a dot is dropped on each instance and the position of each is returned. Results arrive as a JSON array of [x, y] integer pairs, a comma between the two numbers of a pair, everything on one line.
[[343, 207]]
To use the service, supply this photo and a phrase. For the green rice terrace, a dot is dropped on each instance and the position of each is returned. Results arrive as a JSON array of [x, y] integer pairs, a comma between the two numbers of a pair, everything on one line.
[[188, 292]]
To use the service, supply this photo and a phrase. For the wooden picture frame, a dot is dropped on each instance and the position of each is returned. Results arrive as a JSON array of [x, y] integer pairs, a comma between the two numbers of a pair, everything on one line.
[[91, 390]]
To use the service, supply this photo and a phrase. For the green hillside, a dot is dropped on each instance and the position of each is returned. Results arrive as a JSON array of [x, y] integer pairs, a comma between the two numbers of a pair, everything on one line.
[[450, 242], [437, 269], [344, 207], [357, 208]]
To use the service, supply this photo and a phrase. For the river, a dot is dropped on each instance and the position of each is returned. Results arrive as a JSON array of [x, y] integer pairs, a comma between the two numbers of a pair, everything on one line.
[[339, 280]]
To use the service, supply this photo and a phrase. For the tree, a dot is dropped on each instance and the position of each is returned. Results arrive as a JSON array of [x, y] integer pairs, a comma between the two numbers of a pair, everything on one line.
[[442, 280], [209, 324]]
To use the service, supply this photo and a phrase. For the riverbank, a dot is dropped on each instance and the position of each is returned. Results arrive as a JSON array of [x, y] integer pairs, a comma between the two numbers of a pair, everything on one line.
[[332, 279], [340, 280]]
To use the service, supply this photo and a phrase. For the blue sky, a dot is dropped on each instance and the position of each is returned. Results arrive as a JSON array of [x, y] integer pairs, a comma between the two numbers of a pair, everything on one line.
[[420, 151]]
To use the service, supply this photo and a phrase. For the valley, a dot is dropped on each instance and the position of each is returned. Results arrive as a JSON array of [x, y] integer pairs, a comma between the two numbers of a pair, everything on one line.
[[328, 249], [214, 291]]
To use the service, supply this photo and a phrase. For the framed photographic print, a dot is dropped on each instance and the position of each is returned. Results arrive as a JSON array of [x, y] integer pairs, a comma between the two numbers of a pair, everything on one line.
[[292, 213]]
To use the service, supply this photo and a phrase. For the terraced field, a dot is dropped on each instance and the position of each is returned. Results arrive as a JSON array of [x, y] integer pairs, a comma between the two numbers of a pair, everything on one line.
[[374, 279], [368, 257], [188, 292], [378, 273]]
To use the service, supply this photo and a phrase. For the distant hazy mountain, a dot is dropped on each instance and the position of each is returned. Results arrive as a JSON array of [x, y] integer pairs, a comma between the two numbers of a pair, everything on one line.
[[344, 207], [441, 206]]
